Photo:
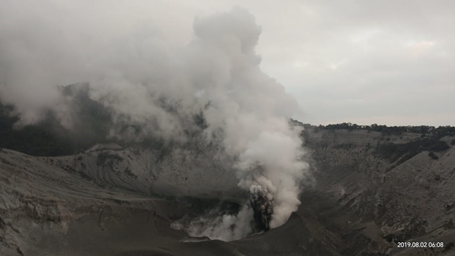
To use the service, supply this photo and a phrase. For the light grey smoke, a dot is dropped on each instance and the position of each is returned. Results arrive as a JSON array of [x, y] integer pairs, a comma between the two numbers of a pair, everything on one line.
[[227, 227], [146, 81]]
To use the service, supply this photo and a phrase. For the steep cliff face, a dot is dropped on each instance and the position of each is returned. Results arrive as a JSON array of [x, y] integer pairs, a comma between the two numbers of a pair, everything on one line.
[[374, 198]]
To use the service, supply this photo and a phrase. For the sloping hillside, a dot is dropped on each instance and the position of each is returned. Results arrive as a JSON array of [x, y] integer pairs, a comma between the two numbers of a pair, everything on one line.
[[375, 195], [111, 201], [373, 190]]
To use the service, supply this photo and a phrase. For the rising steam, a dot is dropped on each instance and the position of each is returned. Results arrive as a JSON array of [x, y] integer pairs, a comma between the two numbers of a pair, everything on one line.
[[146, 82]]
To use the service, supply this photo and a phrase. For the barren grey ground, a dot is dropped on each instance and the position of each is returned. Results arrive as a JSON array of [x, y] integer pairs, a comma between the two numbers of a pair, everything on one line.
[[121, 201]]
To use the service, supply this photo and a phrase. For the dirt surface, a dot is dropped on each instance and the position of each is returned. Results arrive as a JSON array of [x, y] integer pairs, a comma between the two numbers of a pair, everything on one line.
[[121, 201]]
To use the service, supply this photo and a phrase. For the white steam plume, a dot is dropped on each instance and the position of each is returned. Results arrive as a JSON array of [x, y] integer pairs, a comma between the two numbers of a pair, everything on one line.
[[225, 227], [146, 81]]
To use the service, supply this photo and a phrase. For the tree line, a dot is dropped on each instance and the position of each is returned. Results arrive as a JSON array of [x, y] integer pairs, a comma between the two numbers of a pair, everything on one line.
[[424, 130]]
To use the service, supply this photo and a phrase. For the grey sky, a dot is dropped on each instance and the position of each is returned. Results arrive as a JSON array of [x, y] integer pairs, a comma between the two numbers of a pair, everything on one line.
[[385, 62]]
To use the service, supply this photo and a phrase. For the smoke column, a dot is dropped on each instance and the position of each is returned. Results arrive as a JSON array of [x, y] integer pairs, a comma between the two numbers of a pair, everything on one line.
[[146, 81]]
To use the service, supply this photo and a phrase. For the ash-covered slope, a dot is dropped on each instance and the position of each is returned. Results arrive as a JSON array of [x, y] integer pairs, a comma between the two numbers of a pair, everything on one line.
[[196, 171], [111, 200], [41, 197], [114, 201], [376, 189]]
